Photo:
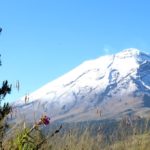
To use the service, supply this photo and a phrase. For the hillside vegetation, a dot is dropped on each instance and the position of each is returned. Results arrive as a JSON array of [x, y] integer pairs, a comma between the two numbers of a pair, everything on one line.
[[126, 134]]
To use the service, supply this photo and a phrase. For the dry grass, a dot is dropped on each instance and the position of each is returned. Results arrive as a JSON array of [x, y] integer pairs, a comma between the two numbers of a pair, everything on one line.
[[88, 142], [135, 142], [134, 136]]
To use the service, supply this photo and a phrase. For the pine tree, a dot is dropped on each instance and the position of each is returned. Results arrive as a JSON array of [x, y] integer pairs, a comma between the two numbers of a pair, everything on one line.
[[5, 108]]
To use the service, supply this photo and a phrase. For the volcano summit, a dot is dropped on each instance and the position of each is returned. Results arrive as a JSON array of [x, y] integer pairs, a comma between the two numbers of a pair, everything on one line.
[[108, 87]]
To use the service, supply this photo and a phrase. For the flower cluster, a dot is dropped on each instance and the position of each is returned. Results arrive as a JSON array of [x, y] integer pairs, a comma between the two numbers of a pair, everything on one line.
[[44, 120]]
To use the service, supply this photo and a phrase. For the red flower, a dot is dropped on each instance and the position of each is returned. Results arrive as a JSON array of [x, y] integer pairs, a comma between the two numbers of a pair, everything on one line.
[[44, 120]]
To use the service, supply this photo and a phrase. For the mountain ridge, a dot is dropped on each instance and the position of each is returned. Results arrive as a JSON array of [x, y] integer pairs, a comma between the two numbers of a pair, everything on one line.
[[120, 80]]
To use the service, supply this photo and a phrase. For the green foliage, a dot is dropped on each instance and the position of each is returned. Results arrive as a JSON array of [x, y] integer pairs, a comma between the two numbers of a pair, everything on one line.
[[5, 109], [5, 89], [25, 141]]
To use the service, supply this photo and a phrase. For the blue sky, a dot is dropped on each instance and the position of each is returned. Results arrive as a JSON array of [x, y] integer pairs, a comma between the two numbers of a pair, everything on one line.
[[44, 39]]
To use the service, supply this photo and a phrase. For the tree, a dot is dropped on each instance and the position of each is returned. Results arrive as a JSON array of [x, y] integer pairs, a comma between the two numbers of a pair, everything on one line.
[[5, 109], [25, 139]]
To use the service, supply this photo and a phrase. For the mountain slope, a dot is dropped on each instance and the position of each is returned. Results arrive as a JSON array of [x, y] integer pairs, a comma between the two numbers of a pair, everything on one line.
[[107, 87]]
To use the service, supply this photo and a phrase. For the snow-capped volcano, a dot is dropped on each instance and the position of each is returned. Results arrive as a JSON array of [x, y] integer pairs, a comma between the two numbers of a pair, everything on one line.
[[107, 87]]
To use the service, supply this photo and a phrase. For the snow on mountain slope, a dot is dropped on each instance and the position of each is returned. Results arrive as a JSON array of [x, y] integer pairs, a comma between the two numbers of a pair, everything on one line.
[[114, 85]]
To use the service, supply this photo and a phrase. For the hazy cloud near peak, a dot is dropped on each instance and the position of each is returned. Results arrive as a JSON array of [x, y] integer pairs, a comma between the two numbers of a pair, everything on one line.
[[107, 49]]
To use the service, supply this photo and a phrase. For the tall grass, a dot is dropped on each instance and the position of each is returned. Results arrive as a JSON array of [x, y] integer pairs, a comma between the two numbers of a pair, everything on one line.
[[122, 135]]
